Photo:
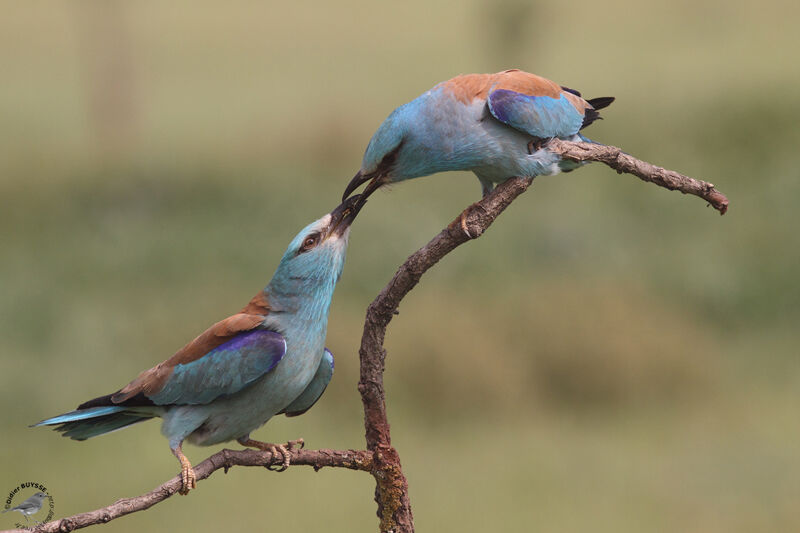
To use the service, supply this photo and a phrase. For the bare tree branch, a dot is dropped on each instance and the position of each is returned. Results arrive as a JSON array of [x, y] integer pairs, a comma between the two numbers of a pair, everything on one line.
[[381, 459], [225, 459], [394, 506], [624, 163]]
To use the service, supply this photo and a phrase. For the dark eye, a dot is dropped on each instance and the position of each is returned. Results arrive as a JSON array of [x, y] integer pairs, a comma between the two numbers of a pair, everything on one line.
[[309, 242]]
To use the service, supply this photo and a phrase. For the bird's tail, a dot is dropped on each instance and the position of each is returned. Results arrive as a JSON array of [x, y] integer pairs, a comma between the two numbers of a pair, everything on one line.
[[85, 423], [592, 114], [601, 102]]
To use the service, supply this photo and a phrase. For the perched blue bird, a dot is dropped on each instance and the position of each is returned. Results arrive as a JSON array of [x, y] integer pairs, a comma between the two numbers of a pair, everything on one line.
[[496, 125], [268, 359]]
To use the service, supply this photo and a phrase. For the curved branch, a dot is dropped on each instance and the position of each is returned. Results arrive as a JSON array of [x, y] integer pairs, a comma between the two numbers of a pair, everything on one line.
[[380, 458], [624, 163], [394, 506]]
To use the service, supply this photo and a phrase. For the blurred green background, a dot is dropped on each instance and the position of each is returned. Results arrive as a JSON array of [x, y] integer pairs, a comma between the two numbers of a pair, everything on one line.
[[610, 357]]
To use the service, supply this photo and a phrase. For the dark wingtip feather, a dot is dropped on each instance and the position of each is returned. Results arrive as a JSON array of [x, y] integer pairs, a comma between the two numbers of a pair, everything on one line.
[[601, 102], [592, 114]]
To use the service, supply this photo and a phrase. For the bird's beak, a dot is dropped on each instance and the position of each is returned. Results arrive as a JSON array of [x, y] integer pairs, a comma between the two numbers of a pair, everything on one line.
[[345, 214], [358, 179], [354, 184]]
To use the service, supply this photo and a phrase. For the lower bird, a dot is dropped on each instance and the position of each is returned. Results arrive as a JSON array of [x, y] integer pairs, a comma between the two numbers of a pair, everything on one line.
[[267, 359], [495, 125]]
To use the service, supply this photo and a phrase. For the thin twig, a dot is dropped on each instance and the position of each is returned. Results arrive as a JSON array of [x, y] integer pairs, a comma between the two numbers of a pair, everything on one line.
[[624, 163]]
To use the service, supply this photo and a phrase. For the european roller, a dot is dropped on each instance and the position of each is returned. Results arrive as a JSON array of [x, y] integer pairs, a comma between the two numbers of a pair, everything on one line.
[[495, 125], [267, 359]]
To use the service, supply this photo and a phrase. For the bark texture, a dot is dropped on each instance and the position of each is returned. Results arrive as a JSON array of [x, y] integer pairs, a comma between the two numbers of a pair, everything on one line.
[[627, 164]]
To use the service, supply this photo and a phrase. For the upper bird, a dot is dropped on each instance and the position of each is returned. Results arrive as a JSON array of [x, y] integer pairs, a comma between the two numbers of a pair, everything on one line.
[[496, 125], [267, 359]]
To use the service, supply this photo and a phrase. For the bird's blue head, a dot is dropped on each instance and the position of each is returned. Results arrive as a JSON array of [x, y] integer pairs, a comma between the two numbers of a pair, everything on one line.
[[313, 262], [399, 149], [387, 139]]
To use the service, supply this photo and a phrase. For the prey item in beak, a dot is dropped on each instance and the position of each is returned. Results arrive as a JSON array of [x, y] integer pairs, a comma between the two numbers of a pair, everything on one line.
[[345, 213]]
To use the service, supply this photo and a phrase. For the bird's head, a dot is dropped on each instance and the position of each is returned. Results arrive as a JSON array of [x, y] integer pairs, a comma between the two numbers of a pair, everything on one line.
[[381, 154], [315, 257]]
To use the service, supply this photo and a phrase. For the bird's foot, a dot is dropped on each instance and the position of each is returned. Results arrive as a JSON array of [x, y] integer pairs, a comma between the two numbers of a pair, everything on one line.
[[188, 477], [285, 451], [464, 227], [299, 443]]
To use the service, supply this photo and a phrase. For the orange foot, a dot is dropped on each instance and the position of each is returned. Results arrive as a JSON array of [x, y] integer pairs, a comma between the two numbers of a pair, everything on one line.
[[188, 477], [462, 220], [285, 450]]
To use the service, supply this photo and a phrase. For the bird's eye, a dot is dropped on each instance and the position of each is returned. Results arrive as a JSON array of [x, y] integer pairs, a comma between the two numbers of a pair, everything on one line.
[[309, 242]]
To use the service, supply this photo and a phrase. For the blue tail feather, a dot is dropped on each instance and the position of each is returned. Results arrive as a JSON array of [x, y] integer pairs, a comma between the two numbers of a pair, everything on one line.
[[81, 414], [85, 429], [86, 423]]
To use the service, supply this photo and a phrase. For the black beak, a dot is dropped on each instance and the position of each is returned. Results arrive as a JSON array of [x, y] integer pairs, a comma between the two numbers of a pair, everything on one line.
[[345, 213], [354, 184], [358, 179]]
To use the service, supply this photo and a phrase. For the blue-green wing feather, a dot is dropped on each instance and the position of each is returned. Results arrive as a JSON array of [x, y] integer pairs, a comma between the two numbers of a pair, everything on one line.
[[225, 370], [314, 390]]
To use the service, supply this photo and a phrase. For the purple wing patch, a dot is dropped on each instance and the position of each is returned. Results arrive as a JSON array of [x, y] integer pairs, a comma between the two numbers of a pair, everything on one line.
[[539, 116]]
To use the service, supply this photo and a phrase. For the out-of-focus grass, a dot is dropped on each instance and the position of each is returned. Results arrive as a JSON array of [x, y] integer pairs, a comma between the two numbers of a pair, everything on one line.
[[609, 356]]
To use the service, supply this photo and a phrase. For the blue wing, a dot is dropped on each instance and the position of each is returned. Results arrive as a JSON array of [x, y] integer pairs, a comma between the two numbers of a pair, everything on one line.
[[314, 390], [227, 369], [540, 116]]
